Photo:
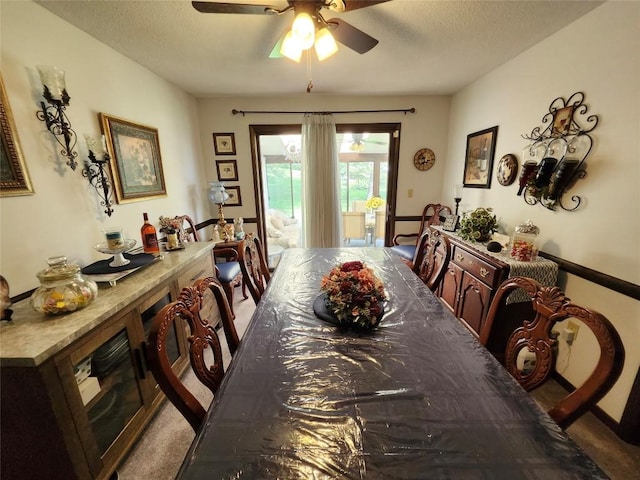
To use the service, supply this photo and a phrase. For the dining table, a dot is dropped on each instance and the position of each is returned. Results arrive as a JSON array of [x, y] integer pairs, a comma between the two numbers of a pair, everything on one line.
[[417, 397]]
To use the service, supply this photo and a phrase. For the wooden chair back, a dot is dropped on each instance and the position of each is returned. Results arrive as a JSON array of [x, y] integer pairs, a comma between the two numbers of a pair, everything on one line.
[[432, 257], [188, 232], [255, 271], [202, 337], [380, 225], [550, 306], [431, 215]]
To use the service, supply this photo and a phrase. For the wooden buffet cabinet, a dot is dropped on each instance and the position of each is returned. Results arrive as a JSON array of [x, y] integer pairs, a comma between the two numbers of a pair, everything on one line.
[[473, 275], [75, 392]]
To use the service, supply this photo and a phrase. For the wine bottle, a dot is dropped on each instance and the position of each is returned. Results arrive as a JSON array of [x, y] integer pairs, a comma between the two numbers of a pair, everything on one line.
[[149, 236]]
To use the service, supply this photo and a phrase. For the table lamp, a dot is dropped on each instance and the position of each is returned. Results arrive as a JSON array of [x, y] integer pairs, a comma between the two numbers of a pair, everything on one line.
[[218, 195]]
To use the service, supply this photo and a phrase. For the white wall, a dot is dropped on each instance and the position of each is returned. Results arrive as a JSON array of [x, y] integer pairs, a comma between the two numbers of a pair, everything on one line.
[[599, 55], [426, 128], [63, 216]]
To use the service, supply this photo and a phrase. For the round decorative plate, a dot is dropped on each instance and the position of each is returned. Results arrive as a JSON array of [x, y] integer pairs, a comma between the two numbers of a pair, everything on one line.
[[424, 159], [507, 169]]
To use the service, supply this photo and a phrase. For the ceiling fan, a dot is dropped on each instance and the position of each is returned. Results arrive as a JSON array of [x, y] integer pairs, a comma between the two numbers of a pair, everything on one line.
[[316, 27]]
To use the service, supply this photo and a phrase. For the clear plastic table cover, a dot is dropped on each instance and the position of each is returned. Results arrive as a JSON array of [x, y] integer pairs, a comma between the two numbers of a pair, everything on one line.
[[418, 397]]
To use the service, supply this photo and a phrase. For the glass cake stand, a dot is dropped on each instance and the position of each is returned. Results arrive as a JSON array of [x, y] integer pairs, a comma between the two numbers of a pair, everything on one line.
[[118, 258]]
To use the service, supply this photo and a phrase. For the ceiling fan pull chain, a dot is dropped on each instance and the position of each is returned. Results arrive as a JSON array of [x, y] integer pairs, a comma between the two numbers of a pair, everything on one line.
[[310, 84]]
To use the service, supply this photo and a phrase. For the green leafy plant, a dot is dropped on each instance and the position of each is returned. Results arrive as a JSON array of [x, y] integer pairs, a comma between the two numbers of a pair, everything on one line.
[[478, 225]]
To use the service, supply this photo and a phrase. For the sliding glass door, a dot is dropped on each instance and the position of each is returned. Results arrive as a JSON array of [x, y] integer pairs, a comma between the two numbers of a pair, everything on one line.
[[368, 169]]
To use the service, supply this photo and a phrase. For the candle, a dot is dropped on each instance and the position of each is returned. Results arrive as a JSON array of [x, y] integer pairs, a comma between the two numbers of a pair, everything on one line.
[[91, 143], [457, 191]]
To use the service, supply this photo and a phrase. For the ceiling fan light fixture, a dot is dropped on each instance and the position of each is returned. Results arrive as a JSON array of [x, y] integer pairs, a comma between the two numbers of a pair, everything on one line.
[[291, 48], [303, 30], [325, 44]]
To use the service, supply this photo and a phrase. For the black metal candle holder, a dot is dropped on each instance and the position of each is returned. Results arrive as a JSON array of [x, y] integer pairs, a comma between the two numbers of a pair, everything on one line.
[[58, 124], [99, 179]]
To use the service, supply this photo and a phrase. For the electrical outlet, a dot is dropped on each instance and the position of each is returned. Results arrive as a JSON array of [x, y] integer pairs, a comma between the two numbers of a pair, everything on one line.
[[410, 193], [571, 332]]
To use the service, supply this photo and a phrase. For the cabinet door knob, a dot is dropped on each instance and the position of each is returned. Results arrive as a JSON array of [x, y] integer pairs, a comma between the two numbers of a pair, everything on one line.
[[459, 257], [484, 272]]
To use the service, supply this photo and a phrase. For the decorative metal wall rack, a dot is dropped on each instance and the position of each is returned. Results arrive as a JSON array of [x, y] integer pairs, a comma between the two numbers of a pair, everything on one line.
[[555, 158]]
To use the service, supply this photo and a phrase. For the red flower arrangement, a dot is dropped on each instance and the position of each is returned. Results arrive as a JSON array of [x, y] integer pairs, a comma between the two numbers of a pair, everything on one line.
[[354, 294]]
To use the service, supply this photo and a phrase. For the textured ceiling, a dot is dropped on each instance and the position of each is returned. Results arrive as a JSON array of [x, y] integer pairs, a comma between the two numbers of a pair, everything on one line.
[[426, 47]]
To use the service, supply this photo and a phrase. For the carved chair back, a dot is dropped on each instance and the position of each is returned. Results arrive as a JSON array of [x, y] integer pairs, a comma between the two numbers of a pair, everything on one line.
[[208, 368], [550, 306], [188, 232], [430, 216], [254, 266], [432, 257]]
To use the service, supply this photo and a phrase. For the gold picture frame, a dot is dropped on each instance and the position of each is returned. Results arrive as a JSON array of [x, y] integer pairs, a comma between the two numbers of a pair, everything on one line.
[[14, 177], [136, 164]]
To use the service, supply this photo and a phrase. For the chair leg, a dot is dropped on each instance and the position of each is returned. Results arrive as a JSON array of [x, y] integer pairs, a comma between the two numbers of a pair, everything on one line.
[[228, 290]]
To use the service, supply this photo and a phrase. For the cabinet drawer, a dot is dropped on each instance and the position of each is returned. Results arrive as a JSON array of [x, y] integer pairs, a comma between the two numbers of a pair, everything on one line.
[[199, 269], [477, 267]]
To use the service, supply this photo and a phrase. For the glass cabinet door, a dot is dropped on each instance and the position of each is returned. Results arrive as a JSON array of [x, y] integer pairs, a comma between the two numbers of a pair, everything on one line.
[[109, 388]]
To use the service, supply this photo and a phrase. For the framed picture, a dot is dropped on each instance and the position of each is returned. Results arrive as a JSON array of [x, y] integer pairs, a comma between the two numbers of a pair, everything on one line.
[[224, 143], [562, 121], [451, 223], [136, 165], [14, 177], [478, 163], [227, 170], [234, 199]]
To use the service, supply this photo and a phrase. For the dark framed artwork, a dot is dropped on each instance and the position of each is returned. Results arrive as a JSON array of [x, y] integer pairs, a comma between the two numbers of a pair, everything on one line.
[[14, 177], [478, 162], [224, 143], [234, 200], [227, 170], [136, 164]]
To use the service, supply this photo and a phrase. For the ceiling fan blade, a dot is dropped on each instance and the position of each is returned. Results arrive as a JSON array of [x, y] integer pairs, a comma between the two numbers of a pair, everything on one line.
[[356, 4], [275, 51], [223, 7], [350, 36]]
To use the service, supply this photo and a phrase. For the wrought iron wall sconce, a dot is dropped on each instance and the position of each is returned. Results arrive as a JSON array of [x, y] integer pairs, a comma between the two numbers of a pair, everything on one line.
[[555, 159], [94, 170], [53, 113]]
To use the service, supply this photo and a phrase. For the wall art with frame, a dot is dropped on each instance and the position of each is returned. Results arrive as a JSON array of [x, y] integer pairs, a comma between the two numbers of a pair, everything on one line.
[[478, 163], [136, 164], [14, 177], [234, 200], [224, 143], [227, 170]]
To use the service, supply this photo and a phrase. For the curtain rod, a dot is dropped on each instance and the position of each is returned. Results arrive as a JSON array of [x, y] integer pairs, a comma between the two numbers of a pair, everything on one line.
[[402, 110]]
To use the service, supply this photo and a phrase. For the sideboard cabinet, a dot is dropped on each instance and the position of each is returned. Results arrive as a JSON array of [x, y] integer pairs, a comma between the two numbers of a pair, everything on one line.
[[470, 282], [76, 392]]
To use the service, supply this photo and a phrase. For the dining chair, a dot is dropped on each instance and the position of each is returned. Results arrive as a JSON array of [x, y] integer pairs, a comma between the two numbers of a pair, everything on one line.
[[432, 257], [253, 265], [188, 232], [353, 226], [380, 225], [432, 214], [229, 274], [533, 337], [202, 338]]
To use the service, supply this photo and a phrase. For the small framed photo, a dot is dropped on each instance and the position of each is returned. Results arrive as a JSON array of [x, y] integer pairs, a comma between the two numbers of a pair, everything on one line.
[[478, 163], [227, 170], [234, 199], [224, 143], [451, 223], [562, 121]]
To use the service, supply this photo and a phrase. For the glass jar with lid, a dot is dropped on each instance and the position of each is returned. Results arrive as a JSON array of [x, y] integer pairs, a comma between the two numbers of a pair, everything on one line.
[[62, 288], [523, 242]]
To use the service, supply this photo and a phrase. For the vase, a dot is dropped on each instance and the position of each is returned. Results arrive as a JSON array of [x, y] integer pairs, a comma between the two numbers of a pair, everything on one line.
[[172, 240]]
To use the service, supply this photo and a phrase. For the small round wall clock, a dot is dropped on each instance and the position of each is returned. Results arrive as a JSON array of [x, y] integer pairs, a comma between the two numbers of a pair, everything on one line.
[[424, 159], [507, 169]]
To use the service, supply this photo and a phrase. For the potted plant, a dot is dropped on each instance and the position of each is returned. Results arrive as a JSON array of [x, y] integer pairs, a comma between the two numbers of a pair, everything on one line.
[[478, 225]]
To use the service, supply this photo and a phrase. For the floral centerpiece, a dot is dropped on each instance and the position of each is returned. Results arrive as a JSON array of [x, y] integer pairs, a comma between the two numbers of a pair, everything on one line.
[[374, 202], [354, 295], [169, 225]]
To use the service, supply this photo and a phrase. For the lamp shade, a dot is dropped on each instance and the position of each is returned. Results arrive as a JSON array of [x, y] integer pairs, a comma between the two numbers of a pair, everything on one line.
[[325, 44], [303, 30], [217, 193], [53, 79], [290, 48]]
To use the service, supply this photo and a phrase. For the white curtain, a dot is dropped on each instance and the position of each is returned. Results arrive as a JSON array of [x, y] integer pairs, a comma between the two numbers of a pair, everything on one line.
[[320, 182]]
